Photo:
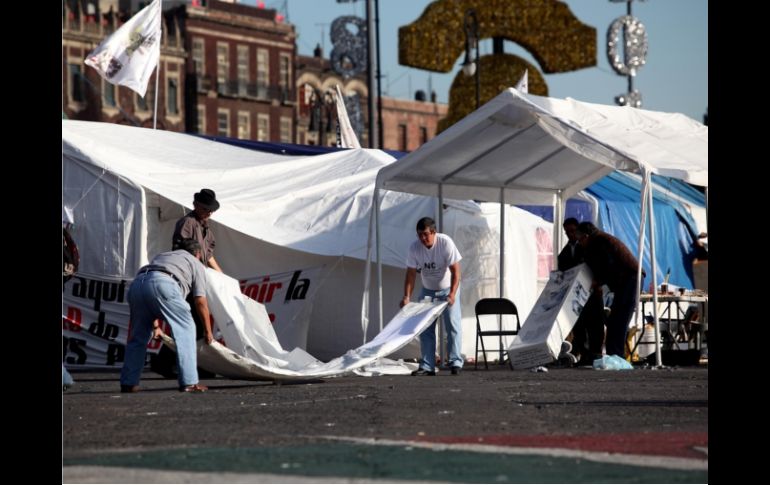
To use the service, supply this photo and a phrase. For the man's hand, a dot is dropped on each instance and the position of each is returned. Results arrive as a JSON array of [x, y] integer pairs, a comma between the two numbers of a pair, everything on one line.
[[209, 337], [404, 301], [451, 299]]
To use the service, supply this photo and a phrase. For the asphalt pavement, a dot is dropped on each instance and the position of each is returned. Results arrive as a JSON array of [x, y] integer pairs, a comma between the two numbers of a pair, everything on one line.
[[573, 425]]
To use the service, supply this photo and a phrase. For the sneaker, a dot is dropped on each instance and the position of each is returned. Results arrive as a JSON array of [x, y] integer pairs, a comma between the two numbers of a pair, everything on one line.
[[456, 370], [424, 372]]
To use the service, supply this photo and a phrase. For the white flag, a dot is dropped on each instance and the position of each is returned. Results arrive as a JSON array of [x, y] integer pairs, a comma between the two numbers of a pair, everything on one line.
[[523, 84], [348, 138], [130, 54]]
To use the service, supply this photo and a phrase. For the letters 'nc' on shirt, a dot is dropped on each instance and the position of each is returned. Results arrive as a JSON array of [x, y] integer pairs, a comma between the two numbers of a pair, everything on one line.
[[433, 263]]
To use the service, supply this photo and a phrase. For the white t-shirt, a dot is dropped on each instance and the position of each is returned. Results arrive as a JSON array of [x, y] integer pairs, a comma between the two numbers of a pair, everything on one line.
[[433, 263]]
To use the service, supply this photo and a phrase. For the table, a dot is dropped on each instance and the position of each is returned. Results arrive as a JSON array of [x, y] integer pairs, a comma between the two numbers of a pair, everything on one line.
[[684, 325]]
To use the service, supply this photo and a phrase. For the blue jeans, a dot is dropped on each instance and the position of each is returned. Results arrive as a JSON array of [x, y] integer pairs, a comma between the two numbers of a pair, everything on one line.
[[155, 295], [452, 318]]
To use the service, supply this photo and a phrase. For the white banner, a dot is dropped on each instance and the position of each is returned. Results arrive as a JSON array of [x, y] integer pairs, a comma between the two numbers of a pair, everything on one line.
[[95, 322], [95, 314], [286, 296]]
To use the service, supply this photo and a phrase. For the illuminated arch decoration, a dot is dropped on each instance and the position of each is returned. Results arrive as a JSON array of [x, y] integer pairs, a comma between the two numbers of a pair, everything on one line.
[[547, 29], [502, 71]]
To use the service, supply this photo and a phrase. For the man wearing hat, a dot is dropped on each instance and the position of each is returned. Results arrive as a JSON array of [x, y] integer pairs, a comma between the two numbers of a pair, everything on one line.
[[195, 225]]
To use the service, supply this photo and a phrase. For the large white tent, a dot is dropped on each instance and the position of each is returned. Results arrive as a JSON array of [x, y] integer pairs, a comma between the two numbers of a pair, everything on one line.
[[127, 186], [525, 149]]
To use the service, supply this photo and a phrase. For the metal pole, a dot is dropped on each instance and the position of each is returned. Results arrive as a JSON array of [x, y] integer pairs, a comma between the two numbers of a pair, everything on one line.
[[381, 135], [478, 65], [379, 248], [502, 242], [370, 49], [442, 349]]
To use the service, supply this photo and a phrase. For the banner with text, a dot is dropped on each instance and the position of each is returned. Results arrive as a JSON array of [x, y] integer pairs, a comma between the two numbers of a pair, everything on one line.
[[95, 314]]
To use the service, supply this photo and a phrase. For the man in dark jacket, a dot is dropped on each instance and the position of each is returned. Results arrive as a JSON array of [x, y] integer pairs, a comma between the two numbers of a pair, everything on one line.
[[588, 332], [612, 264]]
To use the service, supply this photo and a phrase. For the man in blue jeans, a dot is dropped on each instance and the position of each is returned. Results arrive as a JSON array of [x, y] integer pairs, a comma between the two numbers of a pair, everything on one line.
[[158, 291], [437, 259]]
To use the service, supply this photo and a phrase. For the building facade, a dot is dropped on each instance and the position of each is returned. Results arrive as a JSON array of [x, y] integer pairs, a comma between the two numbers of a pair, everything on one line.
[[240, 71], [86, 96], [228, 70]]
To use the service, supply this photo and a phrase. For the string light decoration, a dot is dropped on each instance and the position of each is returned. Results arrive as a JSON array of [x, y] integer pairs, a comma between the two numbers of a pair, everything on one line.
[[547, 29], [500, 72], [349, 56], [634, 52]]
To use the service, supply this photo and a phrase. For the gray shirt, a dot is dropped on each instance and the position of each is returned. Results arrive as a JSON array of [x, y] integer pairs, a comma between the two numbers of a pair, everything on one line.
[[189, 271]]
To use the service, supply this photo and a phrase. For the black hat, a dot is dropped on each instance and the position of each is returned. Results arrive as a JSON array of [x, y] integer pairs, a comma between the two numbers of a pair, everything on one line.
[[207, 199]]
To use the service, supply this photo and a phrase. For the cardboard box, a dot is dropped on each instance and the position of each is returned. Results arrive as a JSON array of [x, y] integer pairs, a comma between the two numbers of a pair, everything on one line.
[[552, 318]]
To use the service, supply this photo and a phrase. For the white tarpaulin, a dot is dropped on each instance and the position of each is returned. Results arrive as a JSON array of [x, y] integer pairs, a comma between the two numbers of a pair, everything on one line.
[[253, 350], [532, 146], [128, 186]]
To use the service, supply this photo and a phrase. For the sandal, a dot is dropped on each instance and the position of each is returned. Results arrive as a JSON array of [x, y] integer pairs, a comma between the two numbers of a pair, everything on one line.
[[193, 388]]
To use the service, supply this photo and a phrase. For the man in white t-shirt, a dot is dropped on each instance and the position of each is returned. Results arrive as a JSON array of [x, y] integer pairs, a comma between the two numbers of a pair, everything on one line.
[[437, 259]]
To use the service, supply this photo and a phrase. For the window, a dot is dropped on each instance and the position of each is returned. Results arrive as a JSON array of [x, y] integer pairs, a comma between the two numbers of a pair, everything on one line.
[[263, 72], [423, 135], [223, 64], [243, 69], [285, 77], [201, 118], [198, 58], [402, 137], [223, 122], [244, 126], [143, 103], [76, 91], [263, 127], [285, 129], [108, 93], [172, 96]]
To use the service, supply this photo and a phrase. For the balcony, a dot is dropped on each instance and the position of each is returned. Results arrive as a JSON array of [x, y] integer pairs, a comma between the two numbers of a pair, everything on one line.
[[251, 91]]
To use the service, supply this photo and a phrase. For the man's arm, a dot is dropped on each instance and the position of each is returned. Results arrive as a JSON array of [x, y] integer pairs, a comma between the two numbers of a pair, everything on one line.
[[411, 273], [202, 307], [455, 270], [214, 265]]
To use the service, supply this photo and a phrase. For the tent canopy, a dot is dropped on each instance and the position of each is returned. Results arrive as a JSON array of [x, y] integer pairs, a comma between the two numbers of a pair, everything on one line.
[[534, 147]]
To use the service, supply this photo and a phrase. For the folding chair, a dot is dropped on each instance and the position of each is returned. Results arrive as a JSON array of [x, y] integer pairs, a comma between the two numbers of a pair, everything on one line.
[[494, 306]]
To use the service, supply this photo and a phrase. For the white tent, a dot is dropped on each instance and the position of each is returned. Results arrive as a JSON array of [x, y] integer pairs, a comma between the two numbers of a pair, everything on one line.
[[527, 149], [127, 187]]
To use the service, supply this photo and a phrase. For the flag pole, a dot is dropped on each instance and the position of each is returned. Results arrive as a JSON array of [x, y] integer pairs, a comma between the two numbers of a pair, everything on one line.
[[157, 72]]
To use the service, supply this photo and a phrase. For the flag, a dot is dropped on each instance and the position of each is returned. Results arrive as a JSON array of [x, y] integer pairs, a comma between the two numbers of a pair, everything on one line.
[[523, 84], [130, 54], [347, 137]]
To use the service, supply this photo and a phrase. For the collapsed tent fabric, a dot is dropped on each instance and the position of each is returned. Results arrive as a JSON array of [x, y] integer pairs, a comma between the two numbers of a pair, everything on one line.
[[278, 213], [254, 352]]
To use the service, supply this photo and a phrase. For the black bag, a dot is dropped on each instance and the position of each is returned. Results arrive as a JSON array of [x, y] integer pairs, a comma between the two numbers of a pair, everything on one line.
[[70, 256]]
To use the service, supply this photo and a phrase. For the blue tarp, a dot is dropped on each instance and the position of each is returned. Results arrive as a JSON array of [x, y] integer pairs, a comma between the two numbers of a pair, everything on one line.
[[618, 195], [619, 210]]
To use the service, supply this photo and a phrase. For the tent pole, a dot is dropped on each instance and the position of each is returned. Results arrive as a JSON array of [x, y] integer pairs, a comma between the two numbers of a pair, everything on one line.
[[440, 207], [502, 244], [640, 248], [379, 250], [558, 218], [442, 343], [654, 269]]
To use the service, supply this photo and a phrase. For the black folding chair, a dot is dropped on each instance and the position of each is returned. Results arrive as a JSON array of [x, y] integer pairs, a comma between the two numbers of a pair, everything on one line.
[[494, 306]]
